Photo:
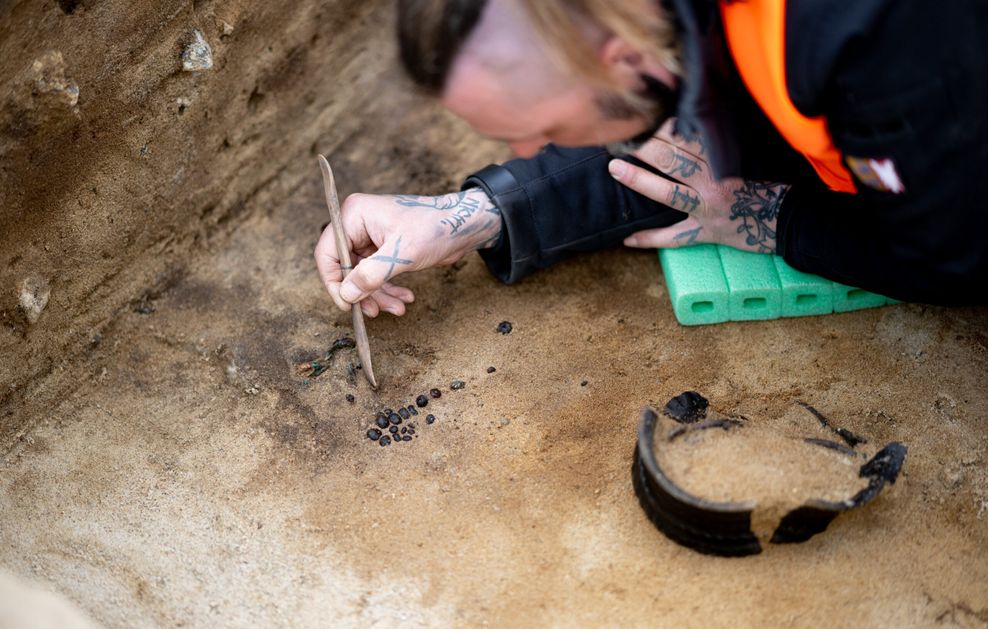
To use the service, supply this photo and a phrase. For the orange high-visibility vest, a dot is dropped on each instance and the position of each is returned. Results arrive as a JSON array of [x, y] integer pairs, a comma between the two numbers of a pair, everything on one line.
[[756, 31]]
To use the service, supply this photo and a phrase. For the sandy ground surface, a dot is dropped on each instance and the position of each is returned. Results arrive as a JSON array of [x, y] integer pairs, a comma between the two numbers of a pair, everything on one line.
[[190, 478]]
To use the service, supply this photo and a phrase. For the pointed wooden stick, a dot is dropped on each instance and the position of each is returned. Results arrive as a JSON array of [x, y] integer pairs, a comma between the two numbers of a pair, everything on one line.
[[343, 250]]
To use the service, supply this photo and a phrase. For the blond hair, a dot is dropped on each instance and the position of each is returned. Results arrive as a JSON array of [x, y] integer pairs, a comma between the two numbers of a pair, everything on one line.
[[640, 23]]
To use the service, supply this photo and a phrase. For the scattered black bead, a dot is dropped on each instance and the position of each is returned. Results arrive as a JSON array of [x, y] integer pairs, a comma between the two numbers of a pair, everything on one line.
[[382, 421], [403, 412], [411, 431], [350, 398], [430, 418], [393, 429], [406, 438], [404, 429], [412, 410], [491, 370], [373, 434], [421, 401], [388, 411], [504, 327], [435, 393], [456, 385], [687, 407], [385, 440], [395, 418], [584, 383]]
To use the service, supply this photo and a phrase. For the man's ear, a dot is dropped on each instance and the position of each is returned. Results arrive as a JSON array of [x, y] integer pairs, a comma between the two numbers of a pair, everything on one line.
[[624, 64]]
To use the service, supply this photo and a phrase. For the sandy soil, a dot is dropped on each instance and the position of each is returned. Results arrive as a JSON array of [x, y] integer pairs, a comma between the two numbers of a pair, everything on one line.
[[192, 479]]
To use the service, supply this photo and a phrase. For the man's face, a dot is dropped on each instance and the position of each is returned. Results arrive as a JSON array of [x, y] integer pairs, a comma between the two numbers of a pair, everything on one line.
[[533, 105]]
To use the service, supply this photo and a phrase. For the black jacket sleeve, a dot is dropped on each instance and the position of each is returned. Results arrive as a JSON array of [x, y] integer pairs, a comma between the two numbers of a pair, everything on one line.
[[561, 202], [911, 87]]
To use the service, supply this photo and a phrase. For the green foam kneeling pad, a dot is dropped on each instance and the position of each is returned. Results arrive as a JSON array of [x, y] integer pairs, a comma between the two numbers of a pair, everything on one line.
[[754, 293], [803, 294], [848, 298], [696, 284], [715, 283]]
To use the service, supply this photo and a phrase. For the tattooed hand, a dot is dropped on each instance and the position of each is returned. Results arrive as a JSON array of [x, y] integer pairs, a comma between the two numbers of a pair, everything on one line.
[[389, 235], [732, 211]]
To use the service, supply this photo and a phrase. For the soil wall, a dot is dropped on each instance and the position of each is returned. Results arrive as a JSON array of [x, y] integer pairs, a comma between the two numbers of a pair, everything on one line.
[[134, 134]]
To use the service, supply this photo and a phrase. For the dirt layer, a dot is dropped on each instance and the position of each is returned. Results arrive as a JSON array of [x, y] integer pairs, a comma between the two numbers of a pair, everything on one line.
[[192, 478]]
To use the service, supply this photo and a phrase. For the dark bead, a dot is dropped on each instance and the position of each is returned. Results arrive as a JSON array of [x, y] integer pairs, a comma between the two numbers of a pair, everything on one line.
[[404, 430], [350, 398], [430, 418], [504, 327], [411, 431], [456, 385], [385, 440], [406, 438], [583, 384], [412, 410], [382, 421], [421, 401], [388, 411], [687, 407], [395, 418], [393, 429], [373, 434], [403, 412], [491, 370], [435, 393]]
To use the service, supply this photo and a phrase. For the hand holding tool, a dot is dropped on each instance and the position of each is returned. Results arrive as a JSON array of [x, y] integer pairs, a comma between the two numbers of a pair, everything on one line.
[[343, 250]]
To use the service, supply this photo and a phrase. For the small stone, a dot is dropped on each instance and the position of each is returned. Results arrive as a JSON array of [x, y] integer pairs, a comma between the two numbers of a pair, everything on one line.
[[382, 421], [687, 407], [385, 440], [373, 434], [421, 401], [226, 29], [412, 410], [504, 327], [197, 55], [491, 370], [456, 385], [430, 418], [584, 383], [406, 438], [393, 429], [435, 393], [350, 398], [395, 418], [403, 412], [35, 293], [504, 421]]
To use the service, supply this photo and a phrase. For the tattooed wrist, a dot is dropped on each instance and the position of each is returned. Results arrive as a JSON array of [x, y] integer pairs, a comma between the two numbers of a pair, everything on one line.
[[469, 216], [755, 212]]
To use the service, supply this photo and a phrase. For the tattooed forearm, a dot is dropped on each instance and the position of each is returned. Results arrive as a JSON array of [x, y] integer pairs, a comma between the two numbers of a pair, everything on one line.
[[460, 214], [756, 206], [442, 202], [469, 216], [682, 199], [685, 165], [392, 259]]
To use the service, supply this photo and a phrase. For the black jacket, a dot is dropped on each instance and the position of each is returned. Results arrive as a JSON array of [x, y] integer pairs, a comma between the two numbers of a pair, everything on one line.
[[900, 79]]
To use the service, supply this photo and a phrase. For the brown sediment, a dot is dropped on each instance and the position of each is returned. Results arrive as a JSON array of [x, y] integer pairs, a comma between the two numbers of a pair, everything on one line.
[[765, 461]]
